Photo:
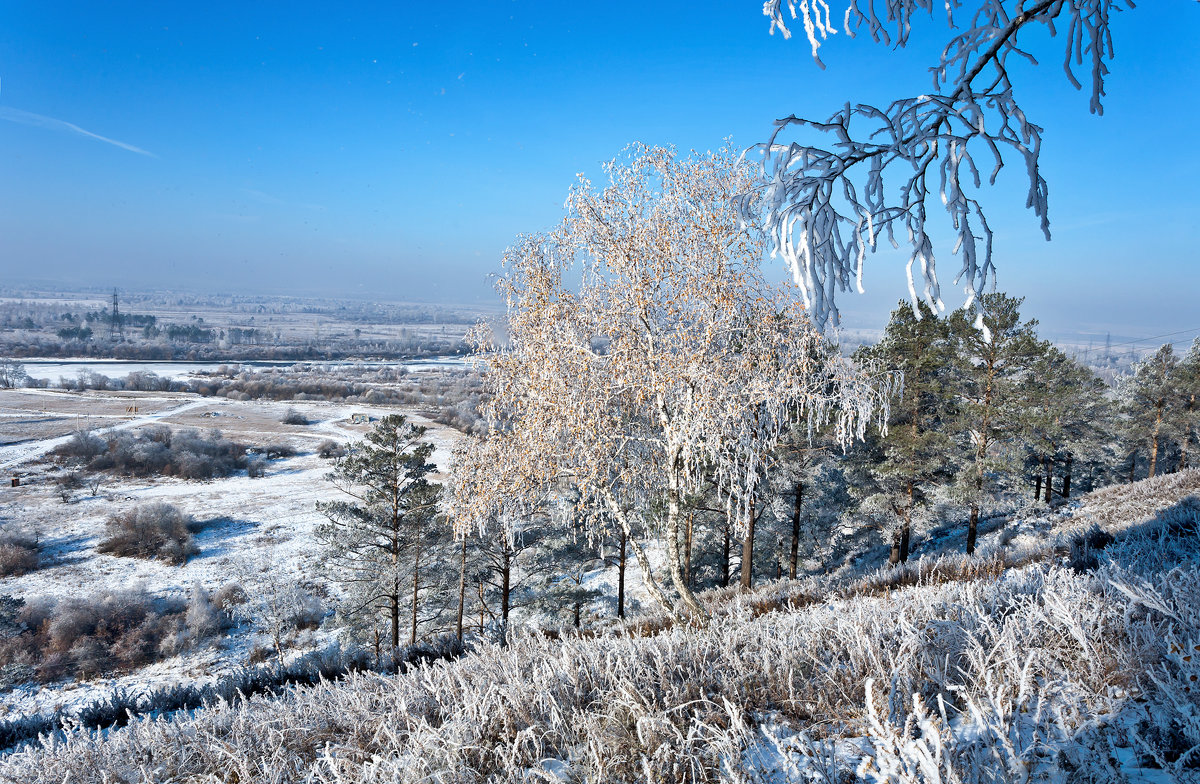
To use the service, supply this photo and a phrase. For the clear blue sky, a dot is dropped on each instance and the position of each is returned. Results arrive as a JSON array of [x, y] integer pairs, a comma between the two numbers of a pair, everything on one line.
[[394, 150]]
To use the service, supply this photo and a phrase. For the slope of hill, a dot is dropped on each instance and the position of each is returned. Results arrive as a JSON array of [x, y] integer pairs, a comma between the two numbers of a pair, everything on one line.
[[1069, 651]]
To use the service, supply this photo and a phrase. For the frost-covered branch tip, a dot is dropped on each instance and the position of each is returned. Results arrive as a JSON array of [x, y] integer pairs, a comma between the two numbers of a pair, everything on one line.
[[825, 204]]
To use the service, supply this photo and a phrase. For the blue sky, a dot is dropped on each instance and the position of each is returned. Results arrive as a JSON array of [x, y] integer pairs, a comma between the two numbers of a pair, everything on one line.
[[394, 150]]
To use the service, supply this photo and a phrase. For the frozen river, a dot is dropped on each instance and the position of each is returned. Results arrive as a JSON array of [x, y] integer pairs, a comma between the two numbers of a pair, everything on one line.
[[54, 369]]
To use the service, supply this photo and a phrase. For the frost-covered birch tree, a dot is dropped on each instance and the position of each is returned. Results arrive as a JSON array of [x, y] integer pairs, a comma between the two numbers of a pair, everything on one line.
[[837, 188], [641, 336]]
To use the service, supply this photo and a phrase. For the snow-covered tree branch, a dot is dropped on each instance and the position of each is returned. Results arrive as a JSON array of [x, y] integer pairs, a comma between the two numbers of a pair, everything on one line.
[[866, 174]]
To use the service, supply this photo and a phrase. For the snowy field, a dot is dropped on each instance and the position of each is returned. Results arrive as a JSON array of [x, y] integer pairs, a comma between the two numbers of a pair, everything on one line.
[[54, 369], [248, 524]]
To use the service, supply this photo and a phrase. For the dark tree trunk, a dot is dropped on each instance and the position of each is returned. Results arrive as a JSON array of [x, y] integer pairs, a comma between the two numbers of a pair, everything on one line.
[[394, 602], [748, 552], [1154, 439], [505, 591], [578, 610], [725, 554], [1049, 463], [794, 555], [894, 555], [1187, 434], [416, 591], [906, 530], [687, 549], [621, 576], [1037, 487], [462, 591], [1066, 491], [973, 529]]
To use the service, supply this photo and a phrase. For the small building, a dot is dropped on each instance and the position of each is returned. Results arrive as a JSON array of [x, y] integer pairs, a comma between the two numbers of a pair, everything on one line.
[[360, 419]]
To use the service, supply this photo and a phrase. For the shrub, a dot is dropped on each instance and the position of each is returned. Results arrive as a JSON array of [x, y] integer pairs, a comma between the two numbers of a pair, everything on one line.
[[190, 453], [155, 530], [256, 468], [294, 417], [19, 553], [328, 450], [50, 639], [279, 450], [83, 444]]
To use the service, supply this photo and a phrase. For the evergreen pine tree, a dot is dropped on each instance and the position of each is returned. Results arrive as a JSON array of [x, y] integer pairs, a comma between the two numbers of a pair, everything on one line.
[[1066, 416], [917, 451], [989, 367], [1153, 403], [385, 546]]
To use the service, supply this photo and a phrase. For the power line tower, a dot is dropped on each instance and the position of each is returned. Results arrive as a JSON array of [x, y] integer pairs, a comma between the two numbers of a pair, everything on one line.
[[116, 330]]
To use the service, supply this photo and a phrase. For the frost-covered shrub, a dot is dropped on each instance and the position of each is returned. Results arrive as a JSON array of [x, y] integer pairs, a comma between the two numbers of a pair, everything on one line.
[[279, 450], [157, 449], [328, 450], [109, 632], [83, 445], [204, 617], [229, 595], [19, 552], [154, 530], [256, 468], [294, 417]]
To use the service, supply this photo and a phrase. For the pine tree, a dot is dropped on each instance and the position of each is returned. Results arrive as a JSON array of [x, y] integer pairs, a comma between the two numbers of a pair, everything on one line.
[[1153, 403], [916, 452], [988, 369], [1065, 416], [1190, 385], [382, 546]]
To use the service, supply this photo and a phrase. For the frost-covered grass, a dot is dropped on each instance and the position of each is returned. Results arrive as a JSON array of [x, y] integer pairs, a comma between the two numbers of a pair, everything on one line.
[[1039, 672]]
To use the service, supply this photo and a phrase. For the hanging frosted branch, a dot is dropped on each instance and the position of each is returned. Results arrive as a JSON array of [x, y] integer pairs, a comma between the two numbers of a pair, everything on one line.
[[825, 203]]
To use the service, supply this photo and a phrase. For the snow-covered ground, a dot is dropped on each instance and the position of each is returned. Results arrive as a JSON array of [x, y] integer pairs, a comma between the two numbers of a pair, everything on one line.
[[248, 524], [52, 370]]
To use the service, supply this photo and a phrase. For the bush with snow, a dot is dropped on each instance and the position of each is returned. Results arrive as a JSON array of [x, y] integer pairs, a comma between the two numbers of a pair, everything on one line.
[[155, 530]]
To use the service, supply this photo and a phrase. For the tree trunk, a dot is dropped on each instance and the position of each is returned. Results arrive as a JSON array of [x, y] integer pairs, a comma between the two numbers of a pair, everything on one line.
[[578, 610], [1037, 487], [462, 591], [416, 577], [394, 601], [1132, 465], [674, 559], [1066, 491], [794, 555], [1049, 463], [906, 530], [894, 555], [1187, 434], [621, 561], [505, 593], [748, 551], [687, 549], [725, 555], [1158, 412], [643, 562], [973, 529]]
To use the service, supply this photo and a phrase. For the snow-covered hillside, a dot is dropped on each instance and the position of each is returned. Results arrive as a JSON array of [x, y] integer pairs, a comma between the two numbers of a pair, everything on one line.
[[1068, 653]]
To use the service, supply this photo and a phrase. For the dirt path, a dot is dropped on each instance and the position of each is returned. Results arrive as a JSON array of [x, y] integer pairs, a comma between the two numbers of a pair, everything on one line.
[[15, 455]]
